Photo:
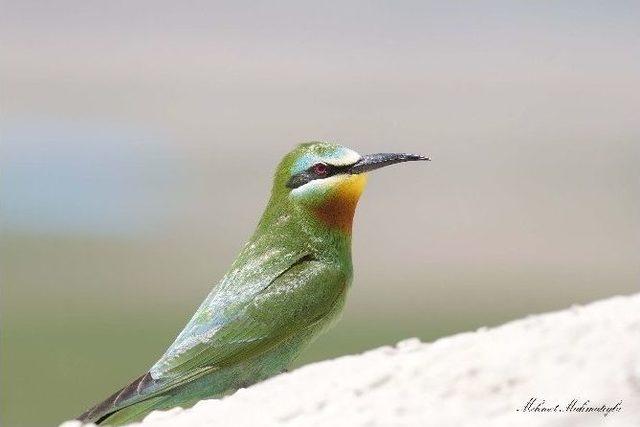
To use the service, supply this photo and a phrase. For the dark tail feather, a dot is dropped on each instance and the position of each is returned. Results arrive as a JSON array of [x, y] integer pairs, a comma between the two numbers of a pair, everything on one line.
[[139, 390]]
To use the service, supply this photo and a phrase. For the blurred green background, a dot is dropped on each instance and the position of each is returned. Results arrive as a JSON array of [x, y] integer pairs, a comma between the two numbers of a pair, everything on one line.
[[139, 139]]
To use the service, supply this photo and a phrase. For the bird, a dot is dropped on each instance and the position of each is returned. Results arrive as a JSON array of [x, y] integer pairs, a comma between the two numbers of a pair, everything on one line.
[[287, 285]]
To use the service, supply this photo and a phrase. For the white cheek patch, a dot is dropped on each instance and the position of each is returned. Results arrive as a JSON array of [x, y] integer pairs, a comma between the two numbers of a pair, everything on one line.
[[317, 185]]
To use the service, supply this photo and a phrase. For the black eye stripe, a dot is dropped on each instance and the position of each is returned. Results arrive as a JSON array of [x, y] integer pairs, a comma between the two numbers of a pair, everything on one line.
[[309, 175]]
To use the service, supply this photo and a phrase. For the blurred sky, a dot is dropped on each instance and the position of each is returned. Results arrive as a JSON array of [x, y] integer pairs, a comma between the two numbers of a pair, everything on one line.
[[139, 140]]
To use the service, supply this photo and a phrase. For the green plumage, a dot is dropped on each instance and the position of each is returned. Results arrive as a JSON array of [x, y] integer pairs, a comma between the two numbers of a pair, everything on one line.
[[287, 285]]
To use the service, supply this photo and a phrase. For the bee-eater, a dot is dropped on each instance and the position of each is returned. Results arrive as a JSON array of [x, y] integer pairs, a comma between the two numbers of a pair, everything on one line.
[[287, 285]]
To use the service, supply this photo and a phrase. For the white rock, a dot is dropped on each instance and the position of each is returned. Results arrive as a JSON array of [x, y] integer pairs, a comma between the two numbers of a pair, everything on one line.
[[161, 415], [483, 378]]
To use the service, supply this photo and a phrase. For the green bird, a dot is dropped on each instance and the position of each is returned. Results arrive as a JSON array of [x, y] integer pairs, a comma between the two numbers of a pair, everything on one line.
[[287, 285]]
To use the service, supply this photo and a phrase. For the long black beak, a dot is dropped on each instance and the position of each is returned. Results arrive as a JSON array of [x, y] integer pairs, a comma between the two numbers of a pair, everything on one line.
[[371, 162]]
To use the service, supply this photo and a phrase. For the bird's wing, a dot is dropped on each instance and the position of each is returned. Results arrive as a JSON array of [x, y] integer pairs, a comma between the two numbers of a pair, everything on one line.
[[295, 299], [259, 263]]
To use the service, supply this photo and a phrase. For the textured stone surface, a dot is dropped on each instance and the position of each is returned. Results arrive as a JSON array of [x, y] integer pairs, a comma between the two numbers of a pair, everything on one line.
[[481, 378]]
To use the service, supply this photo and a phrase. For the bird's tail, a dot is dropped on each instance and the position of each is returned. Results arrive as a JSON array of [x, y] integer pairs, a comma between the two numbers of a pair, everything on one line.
[[125, 405]]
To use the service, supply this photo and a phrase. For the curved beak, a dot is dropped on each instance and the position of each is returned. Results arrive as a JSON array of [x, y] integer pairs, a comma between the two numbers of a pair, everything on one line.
[[371, 162]]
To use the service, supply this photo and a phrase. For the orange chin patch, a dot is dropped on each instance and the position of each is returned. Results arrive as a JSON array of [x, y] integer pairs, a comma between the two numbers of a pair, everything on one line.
[[337, 210]]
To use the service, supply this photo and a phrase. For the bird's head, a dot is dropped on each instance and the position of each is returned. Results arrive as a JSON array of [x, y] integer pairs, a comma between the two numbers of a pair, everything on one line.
[[326, 179]]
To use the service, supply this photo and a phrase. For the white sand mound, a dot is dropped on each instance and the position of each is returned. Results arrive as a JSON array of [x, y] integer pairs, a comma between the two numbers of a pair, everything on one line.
[[482, 378]]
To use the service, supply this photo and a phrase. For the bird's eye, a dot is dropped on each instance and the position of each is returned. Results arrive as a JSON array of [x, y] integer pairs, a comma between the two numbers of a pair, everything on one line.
[[320, 169]]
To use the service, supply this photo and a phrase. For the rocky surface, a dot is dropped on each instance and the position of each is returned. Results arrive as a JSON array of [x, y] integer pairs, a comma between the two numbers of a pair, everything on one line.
[[481, 378]]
